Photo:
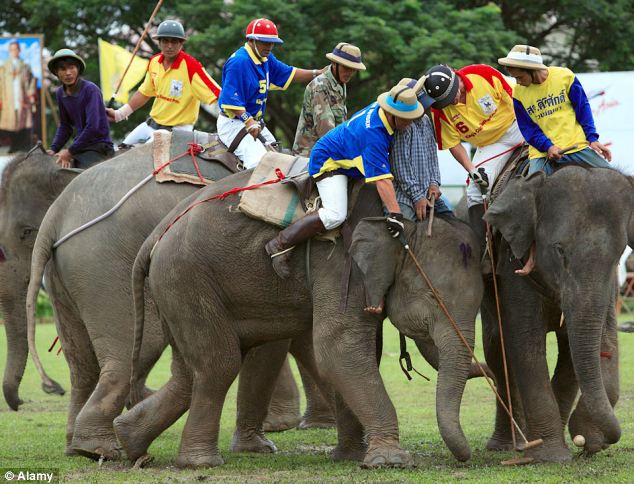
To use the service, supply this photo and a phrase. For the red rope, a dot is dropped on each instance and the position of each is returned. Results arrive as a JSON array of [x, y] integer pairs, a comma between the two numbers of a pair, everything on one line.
[[222, 196], [193, 150], [512, 148]]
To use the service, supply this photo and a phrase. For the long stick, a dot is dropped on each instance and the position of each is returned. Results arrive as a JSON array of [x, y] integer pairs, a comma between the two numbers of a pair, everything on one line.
[[136, 48], [527, 444], [431, 214]]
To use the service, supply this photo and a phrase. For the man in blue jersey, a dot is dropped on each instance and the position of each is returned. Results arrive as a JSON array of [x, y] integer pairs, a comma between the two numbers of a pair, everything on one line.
[[247, 77], [357, 148]]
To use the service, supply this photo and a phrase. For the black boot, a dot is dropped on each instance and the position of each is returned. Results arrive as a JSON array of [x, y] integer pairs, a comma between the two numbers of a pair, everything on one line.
[[478, 225], [280, 247]]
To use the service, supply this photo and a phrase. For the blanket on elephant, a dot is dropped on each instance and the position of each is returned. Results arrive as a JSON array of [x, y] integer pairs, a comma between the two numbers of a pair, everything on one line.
[[210, 165]]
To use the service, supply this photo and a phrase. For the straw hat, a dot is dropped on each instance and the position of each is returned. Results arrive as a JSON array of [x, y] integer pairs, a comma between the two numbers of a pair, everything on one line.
[[425, 99], [401, 102], [523, 57], [347, 55]]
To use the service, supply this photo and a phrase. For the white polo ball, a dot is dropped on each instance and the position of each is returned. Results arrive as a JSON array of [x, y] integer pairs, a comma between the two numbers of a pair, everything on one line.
[[579, 440]]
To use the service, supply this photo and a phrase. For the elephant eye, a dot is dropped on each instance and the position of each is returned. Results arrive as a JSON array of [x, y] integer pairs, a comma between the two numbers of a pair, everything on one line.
[[26, 232]]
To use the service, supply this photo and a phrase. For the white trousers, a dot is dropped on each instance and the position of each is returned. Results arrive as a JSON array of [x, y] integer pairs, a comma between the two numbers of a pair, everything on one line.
[[250, 150], [334, 200], [144, 133], [512, 137]]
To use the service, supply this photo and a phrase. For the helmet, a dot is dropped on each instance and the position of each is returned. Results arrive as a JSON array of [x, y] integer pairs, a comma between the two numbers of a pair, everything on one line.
[[263, 30], [65, 54], [172, 29], [442, 84]]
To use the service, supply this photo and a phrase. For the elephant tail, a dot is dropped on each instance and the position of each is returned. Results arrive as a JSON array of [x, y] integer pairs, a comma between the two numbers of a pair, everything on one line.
[[42, 251], [140, 271]]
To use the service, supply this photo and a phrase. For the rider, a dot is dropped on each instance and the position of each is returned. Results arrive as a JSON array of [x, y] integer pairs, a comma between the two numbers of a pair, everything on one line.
[[325, 98], [357, 148], [177, 82], [81, 109], [553, 112], [247, 77], [474, 104]]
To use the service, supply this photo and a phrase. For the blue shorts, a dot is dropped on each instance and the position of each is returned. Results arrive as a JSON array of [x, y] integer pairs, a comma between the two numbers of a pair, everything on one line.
[[585, 157]]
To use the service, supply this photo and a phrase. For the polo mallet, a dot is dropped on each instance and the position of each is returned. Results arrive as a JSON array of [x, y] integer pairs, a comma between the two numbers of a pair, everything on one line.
[[526, 444], [268, 146], [136, 48], [431, 214], [563, 151]]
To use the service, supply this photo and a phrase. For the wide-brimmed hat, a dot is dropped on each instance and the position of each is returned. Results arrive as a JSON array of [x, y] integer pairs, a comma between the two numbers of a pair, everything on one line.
[[523, 57], [401, 102], [442, 84], [425, 99], [65, 54], [347, 55]]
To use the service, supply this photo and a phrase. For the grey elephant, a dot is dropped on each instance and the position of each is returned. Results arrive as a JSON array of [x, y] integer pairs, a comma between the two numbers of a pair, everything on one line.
[[580, 221], [30, 183], [210, 321]]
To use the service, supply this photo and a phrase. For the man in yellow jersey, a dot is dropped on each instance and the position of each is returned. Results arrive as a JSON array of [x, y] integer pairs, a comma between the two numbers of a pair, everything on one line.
[[474, 104], [553, 113], [177, 82]]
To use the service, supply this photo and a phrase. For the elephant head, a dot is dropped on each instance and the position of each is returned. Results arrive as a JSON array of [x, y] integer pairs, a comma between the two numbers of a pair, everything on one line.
[[29, 185], [389, 274], [578, 219]]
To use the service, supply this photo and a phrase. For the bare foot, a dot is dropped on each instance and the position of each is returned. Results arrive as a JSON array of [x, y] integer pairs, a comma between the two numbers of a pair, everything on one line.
[[530, 263], [374, 309]]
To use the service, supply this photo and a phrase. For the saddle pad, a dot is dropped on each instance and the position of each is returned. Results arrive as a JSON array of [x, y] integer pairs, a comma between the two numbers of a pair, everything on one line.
[[170, 144], [277, 204]]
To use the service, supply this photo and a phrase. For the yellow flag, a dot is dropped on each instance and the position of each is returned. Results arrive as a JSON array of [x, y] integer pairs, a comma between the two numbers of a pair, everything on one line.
[[112, 63]]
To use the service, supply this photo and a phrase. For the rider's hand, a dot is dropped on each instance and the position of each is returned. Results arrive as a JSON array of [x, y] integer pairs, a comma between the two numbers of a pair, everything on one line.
[[480, 177], [50, 152], [254, 129], [554, 153], [602, 150], [421, 208], [64, 158], [395, 225]]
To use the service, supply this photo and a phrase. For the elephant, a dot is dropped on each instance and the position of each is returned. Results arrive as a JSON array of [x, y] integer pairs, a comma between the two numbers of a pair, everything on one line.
[[579, 220], [30, 183], [216, 301]]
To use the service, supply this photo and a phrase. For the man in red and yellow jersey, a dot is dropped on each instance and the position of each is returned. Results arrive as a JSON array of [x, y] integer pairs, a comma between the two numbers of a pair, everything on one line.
[[474, 104], [177, 82]]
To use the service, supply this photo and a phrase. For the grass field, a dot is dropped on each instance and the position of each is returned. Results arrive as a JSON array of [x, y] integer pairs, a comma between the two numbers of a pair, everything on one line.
[[33, 438]]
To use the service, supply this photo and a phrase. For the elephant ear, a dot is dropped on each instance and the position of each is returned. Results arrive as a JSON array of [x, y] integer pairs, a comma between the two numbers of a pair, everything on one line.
[[377, 255], [514, 212], [61, 177]]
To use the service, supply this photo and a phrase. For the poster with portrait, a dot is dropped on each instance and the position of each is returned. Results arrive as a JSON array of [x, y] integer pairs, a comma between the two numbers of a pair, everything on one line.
[[22, 119]]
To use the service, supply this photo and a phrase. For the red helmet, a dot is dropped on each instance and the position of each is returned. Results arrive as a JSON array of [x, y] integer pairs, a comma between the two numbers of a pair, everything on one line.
[[263, 30]]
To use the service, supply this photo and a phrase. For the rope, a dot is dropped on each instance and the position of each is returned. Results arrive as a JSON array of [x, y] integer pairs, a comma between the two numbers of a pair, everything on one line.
[[512, 148], [193, 150], [222, 196]]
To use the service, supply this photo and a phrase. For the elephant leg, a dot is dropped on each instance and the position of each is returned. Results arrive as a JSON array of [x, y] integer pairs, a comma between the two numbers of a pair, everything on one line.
[[581, 422], [351, 443], [351, 366], [258, 375], [320, 403], [139, 427], [214, 359], [564, 381], [82, 362], [283, 412]]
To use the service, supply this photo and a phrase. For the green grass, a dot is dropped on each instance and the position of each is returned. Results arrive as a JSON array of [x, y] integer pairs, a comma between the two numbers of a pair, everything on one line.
[[33, 438]]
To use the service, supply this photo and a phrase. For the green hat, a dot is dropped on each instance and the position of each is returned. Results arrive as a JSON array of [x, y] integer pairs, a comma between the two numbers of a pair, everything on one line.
[[170, 28], [65, 54]]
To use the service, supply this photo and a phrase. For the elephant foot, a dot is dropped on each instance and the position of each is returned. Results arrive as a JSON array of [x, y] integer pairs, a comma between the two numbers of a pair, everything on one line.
[[279, 422], [354, 453], [142, 461], [549, 453], [591, 444], [386, 457], [96, 449], [499, 444], [138, 396], [52, 388], [317, 421], [199, 461], [70, 452], [252, 441], [132, 440]]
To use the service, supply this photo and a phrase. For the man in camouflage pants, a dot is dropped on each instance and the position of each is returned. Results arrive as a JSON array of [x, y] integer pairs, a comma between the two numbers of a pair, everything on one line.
[[324, 104]]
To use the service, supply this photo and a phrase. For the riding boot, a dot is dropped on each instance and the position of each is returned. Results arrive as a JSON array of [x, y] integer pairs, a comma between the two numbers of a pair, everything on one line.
[[478, 225], [280, 247]]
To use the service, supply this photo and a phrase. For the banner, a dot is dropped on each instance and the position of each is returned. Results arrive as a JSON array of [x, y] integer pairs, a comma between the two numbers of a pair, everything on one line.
[[113, 61]]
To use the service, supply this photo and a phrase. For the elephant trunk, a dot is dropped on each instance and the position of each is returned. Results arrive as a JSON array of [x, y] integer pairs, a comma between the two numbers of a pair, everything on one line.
[[585, 323], [17, 351], [453, 370]]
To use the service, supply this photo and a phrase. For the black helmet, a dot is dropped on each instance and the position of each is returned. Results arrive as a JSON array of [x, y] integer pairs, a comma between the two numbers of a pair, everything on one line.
[[170, 28], [442, 84]]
